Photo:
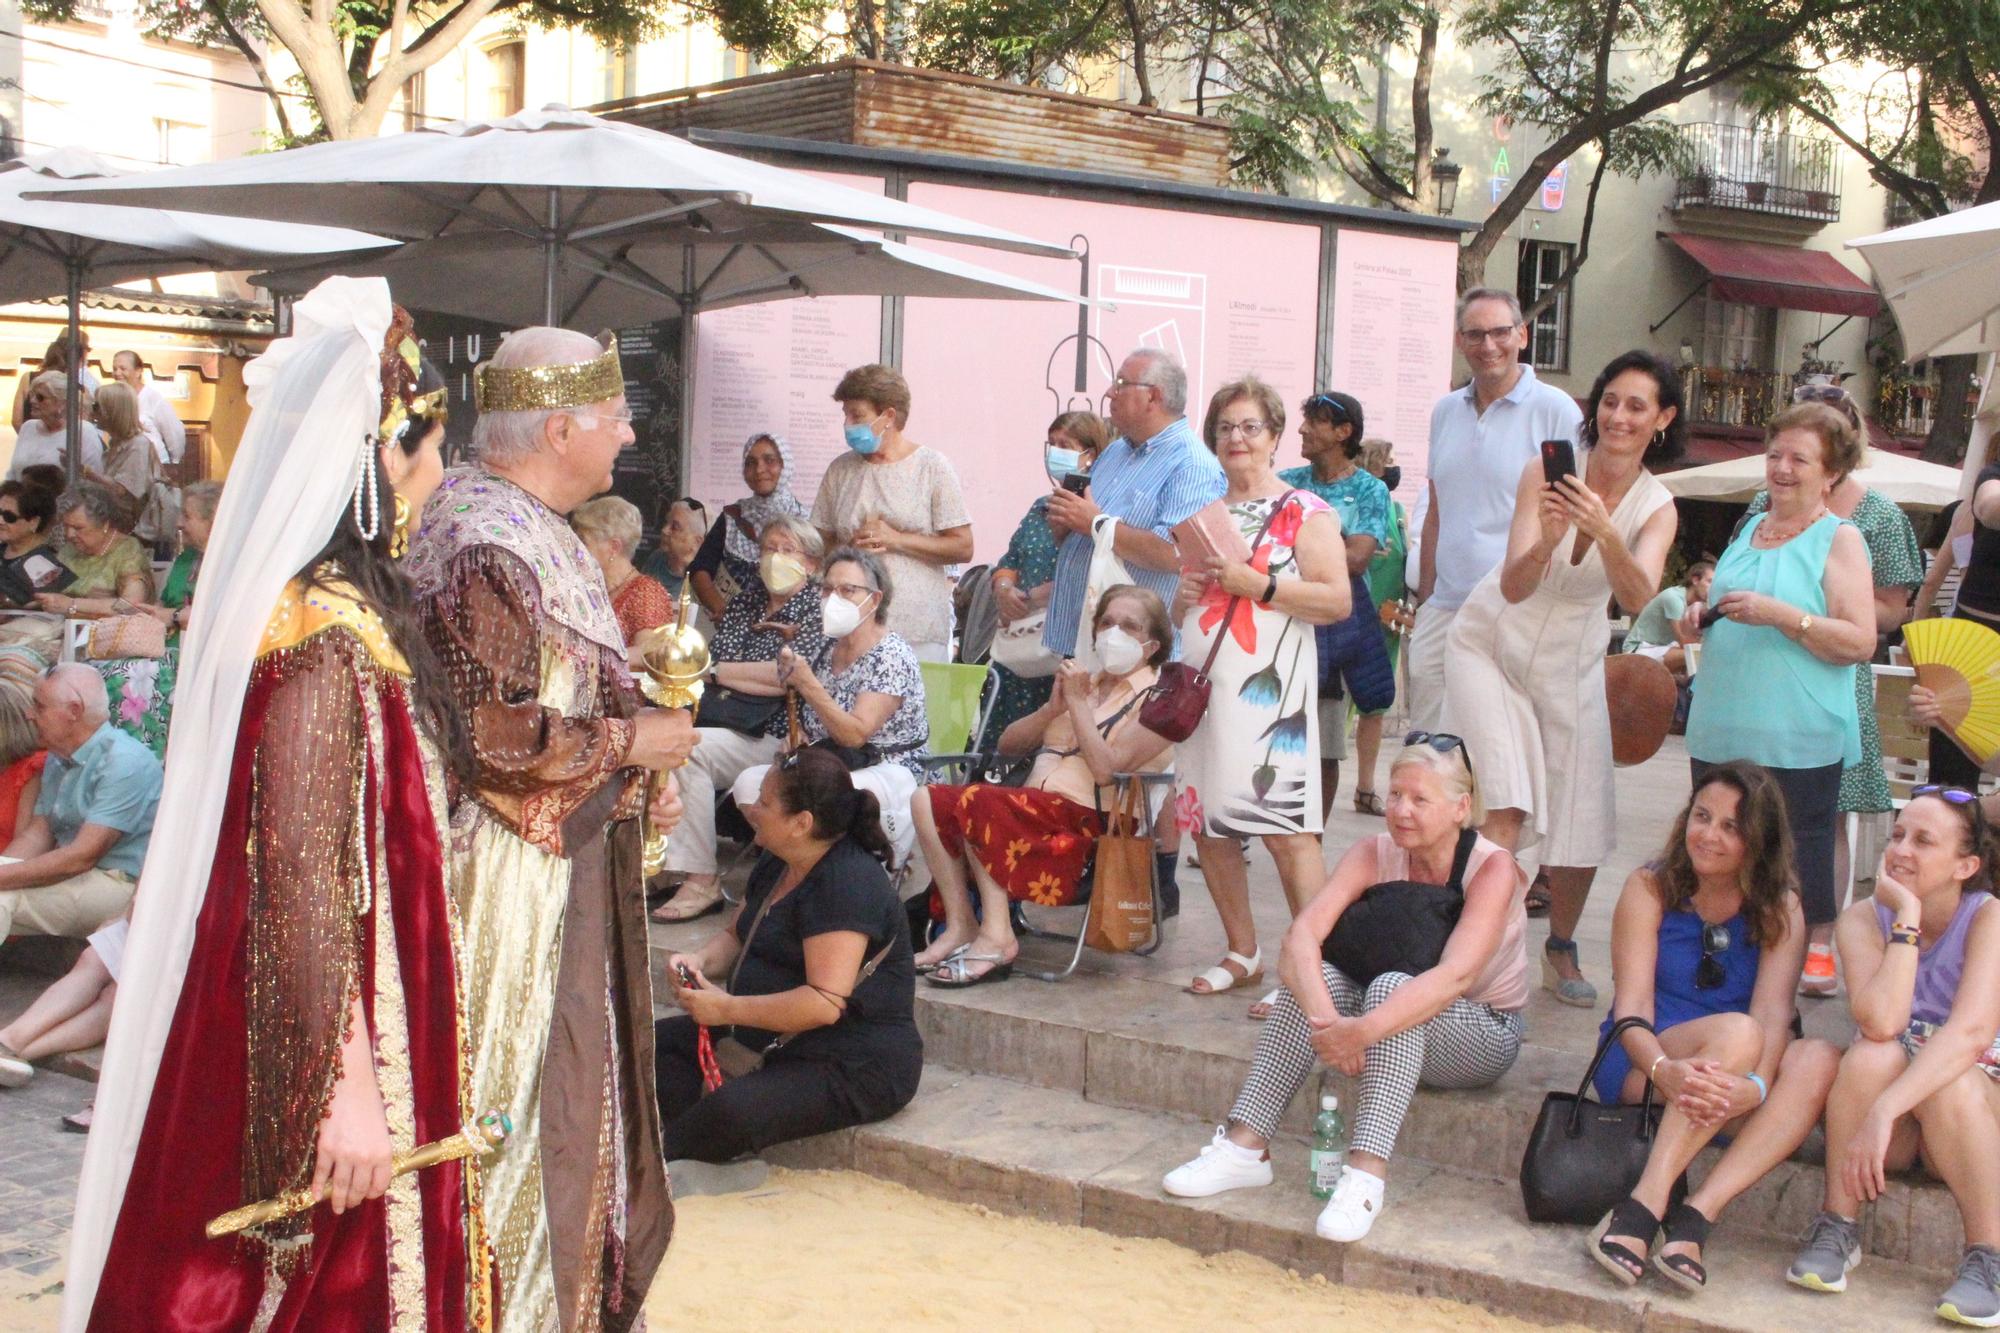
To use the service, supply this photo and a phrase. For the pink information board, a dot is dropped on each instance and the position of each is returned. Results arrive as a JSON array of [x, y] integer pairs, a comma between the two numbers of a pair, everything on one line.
[[1227, 296], [771, 368], [1391, 337]]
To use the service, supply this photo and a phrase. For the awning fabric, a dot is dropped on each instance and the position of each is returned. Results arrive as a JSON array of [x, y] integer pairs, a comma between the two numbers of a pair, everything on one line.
[[1779, 275]]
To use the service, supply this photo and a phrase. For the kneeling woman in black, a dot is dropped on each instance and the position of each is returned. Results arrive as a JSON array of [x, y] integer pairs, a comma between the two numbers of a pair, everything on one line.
[[820, 982]]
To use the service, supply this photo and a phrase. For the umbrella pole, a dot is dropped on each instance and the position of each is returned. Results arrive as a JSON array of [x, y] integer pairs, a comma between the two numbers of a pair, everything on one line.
[[550, 248], [73, 427]]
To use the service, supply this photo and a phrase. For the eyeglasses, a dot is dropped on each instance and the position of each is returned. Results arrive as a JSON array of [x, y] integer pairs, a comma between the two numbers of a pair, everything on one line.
[[1709, 972], [9, 516], [1122, 383], [1249, 430], [851, 591], [617, 418], [1443, 742], [1478, 336], [1958, 796]]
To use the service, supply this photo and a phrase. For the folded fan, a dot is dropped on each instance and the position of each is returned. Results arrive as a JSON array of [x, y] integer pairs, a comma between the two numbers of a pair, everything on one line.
[[1959, 662]]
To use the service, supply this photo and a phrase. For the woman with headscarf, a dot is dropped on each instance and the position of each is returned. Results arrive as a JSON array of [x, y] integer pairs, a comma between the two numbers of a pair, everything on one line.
[[291, 970], [727, 561]]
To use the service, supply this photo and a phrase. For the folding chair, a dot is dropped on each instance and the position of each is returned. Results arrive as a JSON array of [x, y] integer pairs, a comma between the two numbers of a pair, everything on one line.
[[1155, 789], [957, 701]]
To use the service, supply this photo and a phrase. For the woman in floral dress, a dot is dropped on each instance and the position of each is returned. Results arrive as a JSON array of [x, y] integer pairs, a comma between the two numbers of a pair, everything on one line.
[[1251, 768], [142, 688]]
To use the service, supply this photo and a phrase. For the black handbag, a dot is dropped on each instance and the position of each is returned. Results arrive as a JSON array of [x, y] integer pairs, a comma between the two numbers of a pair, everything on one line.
[[1585, 1157], [733, 710], [1399, 925]]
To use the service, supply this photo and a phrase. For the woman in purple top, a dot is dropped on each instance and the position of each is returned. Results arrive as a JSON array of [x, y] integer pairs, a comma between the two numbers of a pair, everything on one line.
[[1922, 962]]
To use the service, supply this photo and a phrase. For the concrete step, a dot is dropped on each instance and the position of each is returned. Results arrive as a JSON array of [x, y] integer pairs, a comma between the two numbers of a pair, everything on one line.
[[1123, 1039], [1053, 1154]]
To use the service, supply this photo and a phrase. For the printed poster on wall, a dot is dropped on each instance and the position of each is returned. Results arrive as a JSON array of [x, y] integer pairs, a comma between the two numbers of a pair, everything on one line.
[[1228, 296], [771, 368], [1392, 312]]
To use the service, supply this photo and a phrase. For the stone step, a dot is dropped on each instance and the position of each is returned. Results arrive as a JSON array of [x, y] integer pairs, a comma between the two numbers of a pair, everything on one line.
[[1053, 1154], [1125, 1041]]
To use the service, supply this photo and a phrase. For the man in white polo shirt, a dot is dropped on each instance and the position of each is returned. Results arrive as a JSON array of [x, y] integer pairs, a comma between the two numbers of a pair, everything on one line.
[[1482, 435]]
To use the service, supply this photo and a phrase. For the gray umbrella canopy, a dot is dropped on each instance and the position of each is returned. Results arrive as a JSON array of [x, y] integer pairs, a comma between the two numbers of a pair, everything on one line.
[[580, 193], [48, 248]]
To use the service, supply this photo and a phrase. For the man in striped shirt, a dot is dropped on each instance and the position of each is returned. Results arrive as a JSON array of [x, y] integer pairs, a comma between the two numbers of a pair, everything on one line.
[[1155, 474]]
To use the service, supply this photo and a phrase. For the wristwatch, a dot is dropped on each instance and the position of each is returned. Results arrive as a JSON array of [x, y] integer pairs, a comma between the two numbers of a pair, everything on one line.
[[1270, 591]]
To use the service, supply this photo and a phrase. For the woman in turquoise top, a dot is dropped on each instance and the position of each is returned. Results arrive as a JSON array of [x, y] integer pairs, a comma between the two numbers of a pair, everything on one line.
[[1796, 609]]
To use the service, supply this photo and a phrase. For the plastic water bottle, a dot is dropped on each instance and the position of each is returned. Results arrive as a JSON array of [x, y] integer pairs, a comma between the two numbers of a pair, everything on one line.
[[1329, 1150]]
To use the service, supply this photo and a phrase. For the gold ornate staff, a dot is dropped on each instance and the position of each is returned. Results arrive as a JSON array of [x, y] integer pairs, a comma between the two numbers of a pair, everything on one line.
[[477, 1139], [674, 658]]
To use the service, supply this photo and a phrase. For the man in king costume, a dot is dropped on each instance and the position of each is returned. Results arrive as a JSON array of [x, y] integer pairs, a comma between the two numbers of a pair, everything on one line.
[[545, 855]]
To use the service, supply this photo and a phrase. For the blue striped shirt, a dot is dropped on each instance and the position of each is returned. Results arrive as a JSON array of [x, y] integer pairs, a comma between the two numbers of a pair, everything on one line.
[[1151, 485]]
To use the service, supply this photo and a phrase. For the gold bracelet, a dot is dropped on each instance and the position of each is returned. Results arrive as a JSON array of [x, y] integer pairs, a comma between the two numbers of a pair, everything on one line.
[[1653, 1068]]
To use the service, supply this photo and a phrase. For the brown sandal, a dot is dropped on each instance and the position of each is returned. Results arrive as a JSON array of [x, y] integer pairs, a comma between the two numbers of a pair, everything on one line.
[[1369, 803]]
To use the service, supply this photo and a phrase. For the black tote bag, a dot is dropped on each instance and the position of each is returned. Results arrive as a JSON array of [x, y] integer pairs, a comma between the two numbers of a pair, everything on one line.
[[1583, 1156]]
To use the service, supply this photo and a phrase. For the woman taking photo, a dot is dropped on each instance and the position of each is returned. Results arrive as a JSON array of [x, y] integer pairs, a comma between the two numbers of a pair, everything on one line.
[[1251, 768], [1922, 1078], [1524, 678], [1794, 608], [1034, 842], [318, 1028], [1456, 1024], [1705, 947], [814, 976], [726, 564], [778, 609], [1025, 573]]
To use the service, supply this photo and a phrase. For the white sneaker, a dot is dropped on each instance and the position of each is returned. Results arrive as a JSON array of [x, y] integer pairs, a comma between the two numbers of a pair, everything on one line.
[[14, 1071], [1356, 1203], [1221, 1166]]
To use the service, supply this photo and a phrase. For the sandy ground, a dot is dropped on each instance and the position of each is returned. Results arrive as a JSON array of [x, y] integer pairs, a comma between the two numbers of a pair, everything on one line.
[[831, 1251]]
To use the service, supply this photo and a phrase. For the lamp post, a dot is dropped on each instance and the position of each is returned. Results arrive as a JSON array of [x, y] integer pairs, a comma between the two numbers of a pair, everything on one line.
[[1444, 182]]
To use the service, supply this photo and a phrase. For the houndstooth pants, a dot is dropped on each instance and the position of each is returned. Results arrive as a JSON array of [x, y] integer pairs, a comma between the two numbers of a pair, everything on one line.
[[1467, 1045]]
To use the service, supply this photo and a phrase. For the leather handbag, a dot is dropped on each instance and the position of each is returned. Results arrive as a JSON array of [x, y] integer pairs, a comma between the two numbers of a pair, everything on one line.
[[1400, 925], [733, 710], [1177, 700], [1583, 1156]]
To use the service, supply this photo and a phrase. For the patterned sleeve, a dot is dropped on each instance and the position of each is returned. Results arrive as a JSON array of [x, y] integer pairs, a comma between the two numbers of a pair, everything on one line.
[[803, 610], [732, 636], [1892, 545], [948, 509], [1020, 553], [1371, 513]]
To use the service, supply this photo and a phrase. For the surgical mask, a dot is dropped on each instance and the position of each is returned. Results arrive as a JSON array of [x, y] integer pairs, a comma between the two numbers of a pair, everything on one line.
[[862, 438], [1392, 476], [839, 617], [1062, 463], [1119, 651], [781, 571]]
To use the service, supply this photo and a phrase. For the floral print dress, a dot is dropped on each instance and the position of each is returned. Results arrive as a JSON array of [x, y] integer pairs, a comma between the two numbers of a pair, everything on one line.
[[1252, 766]]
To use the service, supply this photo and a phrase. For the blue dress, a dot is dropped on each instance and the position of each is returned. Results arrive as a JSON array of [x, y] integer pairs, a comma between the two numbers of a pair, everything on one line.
[[1676, 999]]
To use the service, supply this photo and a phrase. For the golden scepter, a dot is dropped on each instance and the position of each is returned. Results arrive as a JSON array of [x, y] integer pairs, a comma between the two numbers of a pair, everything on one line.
[[477, 1139], [674, 659]]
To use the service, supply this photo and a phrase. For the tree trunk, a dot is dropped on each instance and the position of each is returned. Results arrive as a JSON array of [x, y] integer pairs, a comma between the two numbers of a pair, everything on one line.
[[1951, 419]]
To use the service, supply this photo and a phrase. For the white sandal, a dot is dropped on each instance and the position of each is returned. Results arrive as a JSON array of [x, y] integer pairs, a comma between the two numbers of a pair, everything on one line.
[[1221, 980], [1265, 1005]]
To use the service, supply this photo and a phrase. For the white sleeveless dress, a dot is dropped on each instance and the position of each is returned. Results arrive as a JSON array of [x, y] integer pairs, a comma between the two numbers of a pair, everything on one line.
[[1524, 687]]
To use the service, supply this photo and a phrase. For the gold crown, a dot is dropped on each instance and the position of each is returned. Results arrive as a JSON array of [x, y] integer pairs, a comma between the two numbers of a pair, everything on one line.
[[548, 388]]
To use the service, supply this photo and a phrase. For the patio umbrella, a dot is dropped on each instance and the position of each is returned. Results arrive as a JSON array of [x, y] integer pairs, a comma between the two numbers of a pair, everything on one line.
[[48, 247], [1941, 277], [456, 277], [581, 194], [1909, 482]]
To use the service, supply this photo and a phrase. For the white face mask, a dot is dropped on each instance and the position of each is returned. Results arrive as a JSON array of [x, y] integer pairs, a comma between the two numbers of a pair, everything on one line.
[[782, 572], [1119, 651], [839, 617]]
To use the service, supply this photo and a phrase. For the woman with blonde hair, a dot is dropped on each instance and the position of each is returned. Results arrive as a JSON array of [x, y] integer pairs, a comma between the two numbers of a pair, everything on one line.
[[1452, 1020], [130, 461]]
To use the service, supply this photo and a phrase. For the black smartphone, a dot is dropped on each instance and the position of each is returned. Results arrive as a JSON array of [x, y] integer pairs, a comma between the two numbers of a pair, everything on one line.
[[1558, 460], [1076, 482], [686, 975], [1709, 615]]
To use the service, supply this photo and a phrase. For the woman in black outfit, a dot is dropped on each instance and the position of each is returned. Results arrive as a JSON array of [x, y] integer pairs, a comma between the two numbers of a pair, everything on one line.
[[819, 980], [1979, 601]]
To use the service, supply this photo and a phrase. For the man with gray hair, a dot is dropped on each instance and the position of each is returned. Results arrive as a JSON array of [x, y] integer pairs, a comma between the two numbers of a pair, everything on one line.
[[545, 851], [1482, 437], [74, 866], [1155, 474]]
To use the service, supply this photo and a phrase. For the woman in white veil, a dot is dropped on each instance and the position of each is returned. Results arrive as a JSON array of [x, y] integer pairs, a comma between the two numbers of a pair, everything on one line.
[[288, 1014]]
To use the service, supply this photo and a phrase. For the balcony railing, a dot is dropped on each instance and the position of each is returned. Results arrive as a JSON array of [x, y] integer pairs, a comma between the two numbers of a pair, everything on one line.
[[1907, 407], [1718, 396], [1758, 171]]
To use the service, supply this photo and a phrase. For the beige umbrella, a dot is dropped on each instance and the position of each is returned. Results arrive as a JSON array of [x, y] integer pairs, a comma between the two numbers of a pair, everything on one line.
[[1909, 482]]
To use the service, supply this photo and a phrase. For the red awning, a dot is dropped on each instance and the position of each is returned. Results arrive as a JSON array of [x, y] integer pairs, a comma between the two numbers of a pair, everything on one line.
[[1779, 275]]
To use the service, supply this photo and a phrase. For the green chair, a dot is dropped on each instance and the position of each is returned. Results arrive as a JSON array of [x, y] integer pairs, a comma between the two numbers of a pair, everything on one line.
[[957, 699]]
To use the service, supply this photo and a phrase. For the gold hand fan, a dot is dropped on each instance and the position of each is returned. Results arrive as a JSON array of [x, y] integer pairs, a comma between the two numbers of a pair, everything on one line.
[[1959, 662]]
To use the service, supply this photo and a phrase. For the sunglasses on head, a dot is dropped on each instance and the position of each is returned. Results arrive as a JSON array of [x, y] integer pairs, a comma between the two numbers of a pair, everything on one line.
[[1441, 741], [1709, 972], [1957, 796], [1324, 402]]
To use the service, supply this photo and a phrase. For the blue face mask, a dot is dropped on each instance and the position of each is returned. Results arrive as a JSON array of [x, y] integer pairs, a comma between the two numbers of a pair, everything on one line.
[[1063, 462], [862, 439]]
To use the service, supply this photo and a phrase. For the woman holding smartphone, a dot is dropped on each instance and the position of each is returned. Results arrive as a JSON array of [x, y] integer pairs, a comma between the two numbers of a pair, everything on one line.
[[1524, 680]]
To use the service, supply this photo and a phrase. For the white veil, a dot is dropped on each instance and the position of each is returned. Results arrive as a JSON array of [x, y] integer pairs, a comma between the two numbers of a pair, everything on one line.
[[315, 401]]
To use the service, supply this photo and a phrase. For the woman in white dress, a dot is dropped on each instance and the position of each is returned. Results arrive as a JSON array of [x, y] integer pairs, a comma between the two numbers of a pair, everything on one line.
[[1524, 679]]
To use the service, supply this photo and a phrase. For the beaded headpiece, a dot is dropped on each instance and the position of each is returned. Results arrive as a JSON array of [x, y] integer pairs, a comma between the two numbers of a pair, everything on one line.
[[402, 371], [548, 388]]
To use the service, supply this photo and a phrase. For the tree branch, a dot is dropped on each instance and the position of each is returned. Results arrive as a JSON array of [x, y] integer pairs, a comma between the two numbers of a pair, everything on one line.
[[1568, 278], [254, 57]]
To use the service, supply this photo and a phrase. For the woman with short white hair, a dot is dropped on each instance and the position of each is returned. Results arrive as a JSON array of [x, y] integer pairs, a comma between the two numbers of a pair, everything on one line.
[[43, 434], [610, 529], [1392, 999]]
